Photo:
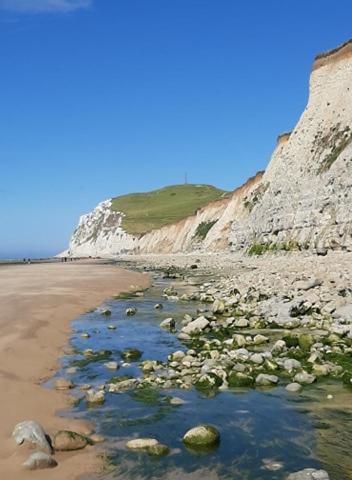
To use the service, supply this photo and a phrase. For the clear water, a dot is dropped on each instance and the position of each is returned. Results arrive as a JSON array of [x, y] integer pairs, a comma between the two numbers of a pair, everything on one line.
[[257, 426]]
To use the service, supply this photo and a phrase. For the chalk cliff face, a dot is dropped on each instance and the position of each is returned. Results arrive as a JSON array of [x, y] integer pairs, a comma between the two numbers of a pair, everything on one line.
[[305, 194], [100, 232], [303, 198]]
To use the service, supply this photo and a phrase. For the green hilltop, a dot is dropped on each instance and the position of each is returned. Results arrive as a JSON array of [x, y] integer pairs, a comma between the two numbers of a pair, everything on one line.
[[150, 210]]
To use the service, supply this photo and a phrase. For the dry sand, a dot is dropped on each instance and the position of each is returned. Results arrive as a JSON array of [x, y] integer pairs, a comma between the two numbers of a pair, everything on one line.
[[37, 303]]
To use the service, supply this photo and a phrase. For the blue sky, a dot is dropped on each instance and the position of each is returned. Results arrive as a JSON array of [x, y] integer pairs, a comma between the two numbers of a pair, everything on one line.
[[105, 97]]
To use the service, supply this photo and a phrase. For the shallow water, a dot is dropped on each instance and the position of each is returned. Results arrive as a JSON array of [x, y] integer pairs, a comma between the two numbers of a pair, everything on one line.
[[258, 427]]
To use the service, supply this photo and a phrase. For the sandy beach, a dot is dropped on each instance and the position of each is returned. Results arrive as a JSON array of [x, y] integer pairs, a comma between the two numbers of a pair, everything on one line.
[[38, 302]]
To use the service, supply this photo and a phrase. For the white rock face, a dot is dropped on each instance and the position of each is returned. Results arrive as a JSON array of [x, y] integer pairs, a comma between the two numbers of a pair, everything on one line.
[[306, 191], [304, 196], [99, 233]]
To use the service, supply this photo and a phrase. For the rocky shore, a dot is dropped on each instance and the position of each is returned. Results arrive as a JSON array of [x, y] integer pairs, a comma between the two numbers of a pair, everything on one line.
[[280, 319]]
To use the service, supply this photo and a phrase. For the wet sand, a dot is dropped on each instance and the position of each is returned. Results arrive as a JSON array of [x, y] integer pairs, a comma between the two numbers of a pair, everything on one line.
[[37, 304]]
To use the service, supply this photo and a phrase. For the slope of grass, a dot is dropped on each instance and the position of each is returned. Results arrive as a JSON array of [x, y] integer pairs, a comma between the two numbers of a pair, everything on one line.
[[150, 210]]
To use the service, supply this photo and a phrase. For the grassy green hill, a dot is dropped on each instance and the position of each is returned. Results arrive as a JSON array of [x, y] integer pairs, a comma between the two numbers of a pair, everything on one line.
[[151, 210]]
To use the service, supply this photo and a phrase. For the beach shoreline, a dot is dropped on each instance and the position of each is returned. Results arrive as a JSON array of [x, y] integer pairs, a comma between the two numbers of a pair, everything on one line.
[[38, 304]]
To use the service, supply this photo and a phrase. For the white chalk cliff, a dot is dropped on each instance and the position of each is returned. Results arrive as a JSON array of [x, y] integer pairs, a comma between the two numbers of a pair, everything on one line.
[[304, 197]]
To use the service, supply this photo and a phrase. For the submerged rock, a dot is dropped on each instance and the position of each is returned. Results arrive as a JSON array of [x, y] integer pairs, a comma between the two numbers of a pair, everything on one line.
[[95, 396], [32, 432], [202, 435], [39, 461], [131, 354], [293, 387], [111, 365], [131, 311]]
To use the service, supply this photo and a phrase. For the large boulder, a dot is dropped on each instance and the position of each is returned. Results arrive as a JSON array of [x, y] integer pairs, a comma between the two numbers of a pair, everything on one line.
[[202, 435], [32, 432]]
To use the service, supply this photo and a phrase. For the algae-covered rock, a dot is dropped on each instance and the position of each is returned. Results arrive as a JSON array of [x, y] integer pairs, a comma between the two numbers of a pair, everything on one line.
[[305, 341], [202, 435], [66, 440], [239, 379], [131, 354]]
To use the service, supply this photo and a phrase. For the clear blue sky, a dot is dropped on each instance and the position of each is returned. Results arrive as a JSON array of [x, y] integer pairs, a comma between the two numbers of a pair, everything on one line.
[[105, 97]]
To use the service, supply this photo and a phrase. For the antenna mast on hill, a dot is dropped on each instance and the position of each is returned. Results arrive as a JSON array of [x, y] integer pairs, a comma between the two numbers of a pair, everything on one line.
[[186, 180]]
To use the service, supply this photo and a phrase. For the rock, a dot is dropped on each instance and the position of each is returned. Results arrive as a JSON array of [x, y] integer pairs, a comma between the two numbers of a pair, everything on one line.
[[158, 306], [202, 435], [177, 356], [158, 450], [260, 339], [308, 284], [106, 312], [170, 292], [257, 358], [290, 364], [266, 380], [241, 323], [196, 326], [177, 401], [85, 335], [149, 366], [39, 461], [71, 370], [184, 337], [218, 306], [111, 365], [293, 387], [309, 474], [63, 384], [141, 443], [168, 324], [304, 378], [131, 354], [305, 341], [95, 396], [66, 440], [239, 379], [95, 438], [112, 327], [131, 311], [123, 386], [32, 432]]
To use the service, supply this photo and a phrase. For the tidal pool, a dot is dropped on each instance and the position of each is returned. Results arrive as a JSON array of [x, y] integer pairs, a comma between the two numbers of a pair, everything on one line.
[[265, 434]]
